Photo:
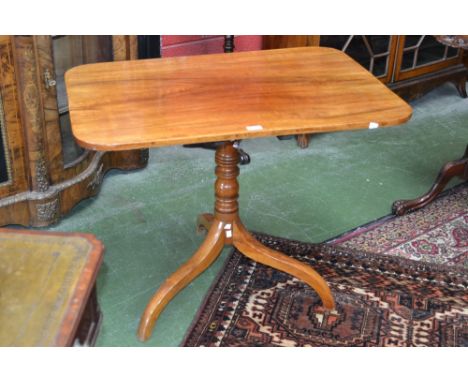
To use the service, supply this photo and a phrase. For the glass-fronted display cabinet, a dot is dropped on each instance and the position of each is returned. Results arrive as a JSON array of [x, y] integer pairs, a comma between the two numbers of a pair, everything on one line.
[[424, 50], [375, 53], [70, 51], [43, 171], [397, 58], [410, 65], [422, 54]]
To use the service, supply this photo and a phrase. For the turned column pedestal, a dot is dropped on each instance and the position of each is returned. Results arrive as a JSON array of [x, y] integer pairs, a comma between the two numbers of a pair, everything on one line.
[[224, 227], [223, 98]]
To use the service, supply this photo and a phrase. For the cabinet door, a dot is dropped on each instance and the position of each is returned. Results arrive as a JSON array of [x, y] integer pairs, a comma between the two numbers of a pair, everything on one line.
[[13, 176], [376, 53], [422, 54], [57, 54]]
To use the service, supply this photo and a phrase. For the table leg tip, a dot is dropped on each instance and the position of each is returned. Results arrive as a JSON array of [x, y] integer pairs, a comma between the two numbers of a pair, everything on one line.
[[143, 335]]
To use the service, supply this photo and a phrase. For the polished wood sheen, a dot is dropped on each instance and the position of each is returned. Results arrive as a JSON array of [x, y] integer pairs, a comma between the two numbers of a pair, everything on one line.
[[225, 227], [222, 98], [182, 100]]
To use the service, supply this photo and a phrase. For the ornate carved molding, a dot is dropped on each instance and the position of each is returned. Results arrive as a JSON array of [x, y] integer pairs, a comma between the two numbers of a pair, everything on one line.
[[42, 181], [32, 114], [125, 47], [55, 189], [49, 211], [97, 179], [41, 184]]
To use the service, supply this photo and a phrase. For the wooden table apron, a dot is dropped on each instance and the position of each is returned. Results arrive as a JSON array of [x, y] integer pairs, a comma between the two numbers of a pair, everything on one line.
[[224, 98]]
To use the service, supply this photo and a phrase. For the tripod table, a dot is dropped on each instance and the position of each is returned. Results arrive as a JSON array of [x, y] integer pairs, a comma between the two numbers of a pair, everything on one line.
[[223, 98]]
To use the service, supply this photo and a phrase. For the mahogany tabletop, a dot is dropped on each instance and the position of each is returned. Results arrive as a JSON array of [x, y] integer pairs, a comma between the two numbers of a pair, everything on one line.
[[156, 102]]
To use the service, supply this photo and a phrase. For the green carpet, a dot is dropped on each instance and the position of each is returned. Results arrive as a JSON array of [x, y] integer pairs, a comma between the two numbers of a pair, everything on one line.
[[146, 219]]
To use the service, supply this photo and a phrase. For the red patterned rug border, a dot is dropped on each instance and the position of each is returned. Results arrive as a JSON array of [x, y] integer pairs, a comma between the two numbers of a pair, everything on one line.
[[366, 227]]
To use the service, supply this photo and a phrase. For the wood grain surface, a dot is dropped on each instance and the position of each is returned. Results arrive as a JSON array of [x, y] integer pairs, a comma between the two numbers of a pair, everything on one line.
[[182, 100]]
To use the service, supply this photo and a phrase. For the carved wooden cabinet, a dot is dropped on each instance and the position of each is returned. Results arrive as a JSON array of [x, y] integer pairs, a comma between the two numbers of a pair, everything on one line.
[[43, 172], [422, 63]]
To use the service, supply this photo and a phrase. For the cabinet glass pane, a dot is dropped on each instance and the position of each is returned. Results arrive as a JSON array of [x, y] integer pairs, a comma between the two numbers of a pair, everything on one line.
[[380, 66], [412, 40], [372, 52], [421, 50], [430, 51], [70, 51], [408, 59], [452, 52], [379, 44], [4, 163], [336, 42], [357, 49]]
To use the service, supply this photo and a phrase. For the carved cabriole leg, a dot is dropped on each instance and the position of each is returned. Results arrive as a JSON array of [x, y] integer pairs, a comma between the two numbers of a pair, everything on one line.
[[225, 227], [451, 169], [202, 259], [461, 87]]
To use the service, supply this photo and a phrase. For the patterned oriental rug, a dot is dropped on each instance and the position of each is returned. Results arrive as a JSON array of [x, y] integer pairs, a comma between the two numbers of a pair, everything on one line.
[[399, 281]]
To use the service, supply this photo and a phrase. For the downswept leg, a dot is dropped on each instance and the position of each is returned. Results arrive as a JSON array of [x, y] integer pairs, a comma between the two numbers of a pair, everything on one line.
[[204, 222], [253, 249], [201, 260]]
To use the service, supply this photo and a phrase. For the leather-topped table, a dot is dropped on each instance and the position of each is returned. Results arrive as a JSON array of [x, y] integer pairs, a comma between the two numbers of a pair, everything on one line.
[[223, 98], [47, 288]]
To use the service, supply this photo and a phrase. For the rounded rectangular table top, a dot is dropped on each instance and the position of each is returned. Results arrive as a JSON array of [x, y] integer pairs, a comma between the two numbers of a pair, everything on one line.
[[157, 102]]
